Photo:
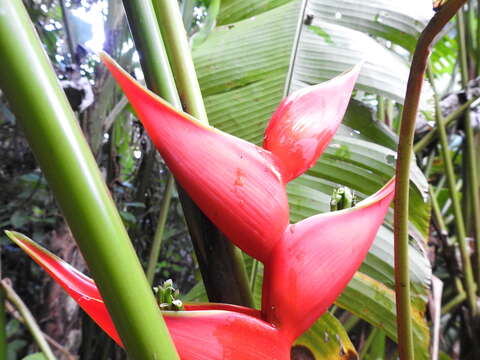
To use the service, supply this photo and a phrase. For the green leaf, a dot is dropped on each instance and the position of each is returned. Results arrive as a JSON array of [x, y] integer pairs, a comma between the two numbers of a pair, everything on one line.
[[36, 356], [373, 302], [399, 21], [318, 59], [326, 340], [19, 218], [233, 10]]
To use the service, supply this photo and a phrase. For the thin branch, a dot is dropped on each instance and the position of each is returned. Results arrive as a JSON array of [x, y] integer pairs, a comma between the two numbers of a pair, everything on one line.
[[13, 312], [455, 198], [433, 134], [30, 322], [162, 220], [470, 157]]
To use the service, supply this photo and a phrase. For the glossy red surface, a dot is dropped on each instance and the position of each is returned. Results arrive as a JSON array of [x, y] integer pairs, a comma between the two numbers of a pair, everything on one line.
[[305, 122], [316, 259], [203, 332], [80, 287]]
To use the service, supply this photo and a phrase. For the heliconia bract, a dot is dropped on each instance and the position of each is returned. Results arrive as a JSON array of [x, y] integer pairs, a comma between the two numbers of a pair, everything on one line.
[[241, 188]]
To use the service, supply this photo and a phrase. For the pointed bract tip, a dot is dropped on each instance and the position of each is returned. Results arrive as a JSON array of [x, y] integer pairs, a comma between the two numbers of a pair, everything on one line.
[[306, 121]]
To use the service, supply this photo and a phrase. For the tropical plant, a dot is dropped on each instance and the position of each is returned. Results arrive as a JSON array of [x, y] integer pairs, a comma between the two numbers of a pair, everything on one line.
[[258, 52]]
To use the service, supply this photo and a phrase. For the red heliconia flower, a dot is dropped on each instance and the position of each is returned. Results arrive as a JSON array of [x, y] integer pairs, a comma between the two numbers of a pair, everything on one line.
[[241, 188]]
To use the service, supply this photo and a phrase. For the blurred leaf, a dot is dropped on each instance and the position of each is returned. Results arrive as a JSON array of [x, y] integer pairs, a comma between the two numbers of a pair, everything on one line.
[[18, 219], [14, 347], [444, 55], [128, 216], [36, 356]]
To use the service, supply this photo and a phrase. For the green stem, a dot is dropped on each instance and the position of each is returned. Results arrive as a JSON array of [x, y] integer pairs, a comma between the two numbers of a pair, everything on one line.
[[455, 197], [440, 184], [14, 313], [42, 110], [478, 38], [216, 254], [432, 134], [253, 275], [351, 322], [471, 158], [457, 300], [30, 322], [162, 220], [437, 215], [405, 147], [462, 48], [368, 342]]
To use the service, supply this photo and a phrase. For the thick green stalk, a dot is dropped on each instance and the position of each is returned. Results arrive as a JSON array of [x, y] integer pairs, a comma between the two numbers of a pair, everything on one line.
[[432, 134], [405, 149], [221, 263], [471, 156], [455, 197], [162, 220], [29, 320], [178, 50], [42, 110]]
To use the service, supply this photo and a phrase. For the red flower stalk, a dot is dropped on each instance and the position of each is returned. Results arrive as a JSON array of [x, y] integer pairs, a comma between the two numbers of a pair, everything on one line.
[[241, 188]]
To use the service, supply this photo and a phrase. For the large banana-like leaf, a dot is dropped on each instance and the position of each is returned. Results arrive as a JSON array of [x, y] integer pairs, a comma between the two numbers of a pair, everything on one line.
[[397, 21], [243, 68], [326, 49]]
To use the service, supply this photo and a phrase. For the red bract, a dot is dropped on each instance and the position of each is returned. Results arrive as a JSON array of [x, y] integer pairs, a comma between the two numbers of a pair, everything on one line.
[[238, 185], [241, 188]]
